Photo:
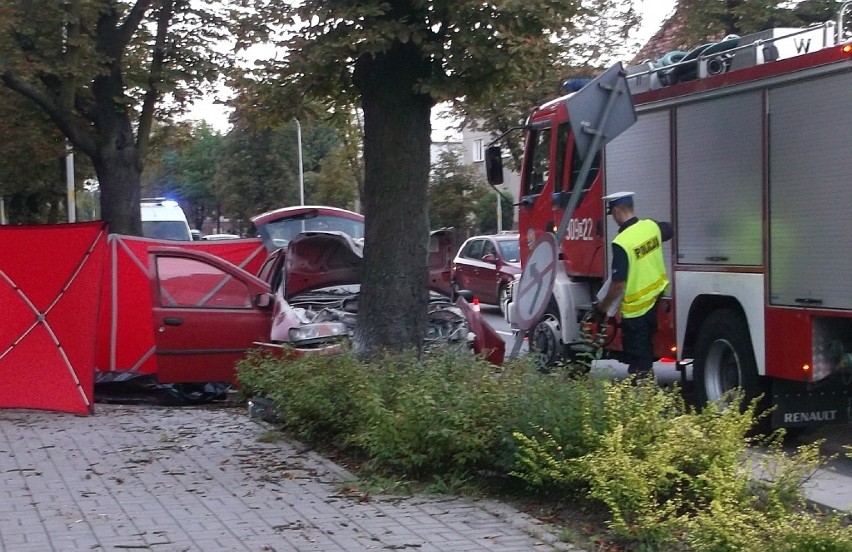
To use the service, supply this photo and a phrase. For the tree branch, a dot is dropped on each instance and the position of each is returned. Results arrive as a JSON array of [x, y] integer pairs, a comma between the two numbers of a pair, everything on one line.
[[125, 32], [71, 55], [155, 77], [73, 131]]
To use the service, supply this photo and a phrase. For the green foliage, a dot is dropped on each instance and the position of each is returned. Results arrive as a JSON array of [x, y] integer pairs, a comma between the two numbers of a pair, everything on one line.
[[181, 164], [321, 399], [673, 479], [486, 212], [100, 70], [466, 47], [704, 20], [436, 417], [259, 170], [545, 410], [455, 192], [655, 463], [728, 527], [334, 184], [32, 180], [198, 168]]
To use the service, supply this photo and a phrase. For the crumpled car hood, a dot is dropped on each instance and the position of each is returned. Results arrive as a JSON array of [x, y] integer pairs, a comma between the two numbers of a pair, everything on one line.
[[317, 260], [321, 280]]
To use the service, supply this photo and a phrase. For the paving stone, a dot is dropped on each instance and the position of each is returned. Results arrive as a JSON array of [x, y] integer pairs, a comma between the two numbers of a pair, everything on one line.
[[199, 479]]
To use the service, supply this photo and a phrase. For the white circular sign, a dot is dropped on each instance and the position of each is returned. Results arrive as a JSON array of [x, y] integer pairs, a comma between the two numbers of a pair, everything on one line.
[[532, 292]]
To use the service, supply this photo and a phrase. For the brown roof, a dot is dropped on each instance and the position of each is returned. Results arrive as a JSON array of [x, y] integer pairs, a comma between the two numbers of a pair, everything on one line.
[[664, 40], [671, 36]]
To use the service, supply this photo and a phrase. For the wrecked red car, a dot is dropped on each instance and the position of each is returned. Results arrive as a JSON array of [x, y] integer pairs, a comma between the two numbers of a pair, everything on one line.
[[207, 313], [316, 300], [315, 278]]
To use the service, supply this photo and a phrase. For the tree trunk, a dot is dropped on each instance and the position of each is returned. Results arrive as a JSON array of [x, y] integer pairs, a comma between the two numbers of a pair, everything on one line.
[[394, 283], [119, 171]]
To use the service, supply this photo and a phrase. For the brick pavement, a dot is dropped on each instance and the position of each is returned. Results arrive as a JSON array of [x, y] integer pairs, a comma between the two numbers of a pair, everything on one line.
[[201, 479]]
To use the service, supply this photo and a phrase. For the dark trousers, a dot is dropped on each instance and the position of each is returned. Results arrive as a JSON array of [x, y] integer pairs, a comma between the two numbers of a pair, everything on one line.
[[637, 336]]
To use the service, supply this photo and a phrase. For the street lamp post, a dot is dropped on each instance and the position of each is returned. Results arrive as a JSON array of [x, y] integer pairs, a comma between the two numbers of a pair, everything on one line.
[[69, 185], [499, 212], [301, 170]]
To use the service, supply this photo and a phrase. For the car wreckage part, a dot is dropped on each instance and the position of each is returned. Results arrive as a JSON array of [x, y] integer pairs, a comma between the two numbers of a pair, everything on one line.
[[331, 315]]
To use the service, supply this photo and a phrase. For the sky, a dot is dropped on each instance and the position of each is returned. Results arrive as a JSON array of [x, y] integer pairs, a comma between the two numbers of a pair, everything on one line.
[[653, 13]]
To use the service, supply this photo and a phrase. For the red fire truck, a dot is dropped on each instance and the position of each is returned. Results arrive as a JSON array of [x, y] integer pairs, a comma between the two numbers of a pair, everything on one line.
[[744, 145]]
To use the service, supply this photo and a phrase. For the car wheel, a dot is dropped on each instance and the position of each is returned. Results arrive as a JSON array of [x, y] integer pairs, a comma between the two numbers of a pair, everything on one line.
[[545, 338], [502, 296], [724, 361]]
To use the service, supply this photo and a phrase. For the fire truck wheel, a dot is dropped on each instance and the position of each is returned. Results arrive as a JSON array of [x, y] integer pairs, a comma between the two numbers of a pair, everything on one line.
[[724, 361], [545, 338]]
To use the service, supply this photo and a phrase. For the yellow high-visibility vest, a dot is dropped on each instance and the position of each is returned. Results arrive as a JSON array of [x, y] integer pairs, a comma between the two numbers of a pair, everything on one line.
[[646, 273]]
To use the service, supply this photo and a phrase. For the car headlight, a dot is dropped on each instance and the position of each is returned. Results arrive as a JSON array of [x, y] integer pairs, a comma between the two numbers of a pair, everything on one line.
[[310, 334]]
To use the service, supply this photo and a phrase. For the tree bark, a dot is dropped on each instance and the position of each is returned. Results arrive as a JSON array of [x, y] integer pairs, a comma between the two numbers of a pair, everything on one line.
[[119, 179], [116, 156], [393, 302]]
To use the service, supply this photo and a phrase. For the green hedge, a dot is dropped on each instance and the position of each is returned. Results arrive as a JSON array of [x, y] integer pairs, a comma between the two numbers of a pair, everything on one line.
[[672, 478]]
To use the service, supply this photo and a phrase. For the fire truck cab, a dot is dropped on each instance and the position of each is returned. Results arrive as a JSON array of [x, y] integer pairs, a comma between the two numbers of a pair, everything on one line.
[[743, 145]]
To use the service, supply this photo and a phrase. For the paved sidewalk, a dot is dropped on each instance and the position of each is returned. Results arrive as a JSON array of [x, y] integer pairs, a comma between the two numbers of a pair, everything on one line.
[[199, 479], [831, 486]]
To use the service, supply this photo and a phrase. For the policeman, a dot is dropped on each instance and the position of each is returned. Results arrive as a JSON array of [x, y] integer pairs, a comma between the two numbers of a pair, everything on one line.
[[638, 279]]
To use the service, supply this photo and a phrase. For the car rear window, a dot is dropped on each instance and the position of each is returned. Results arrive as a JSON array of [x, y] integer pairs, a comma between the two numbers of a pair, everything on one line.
[[282, 231], [510, 250]]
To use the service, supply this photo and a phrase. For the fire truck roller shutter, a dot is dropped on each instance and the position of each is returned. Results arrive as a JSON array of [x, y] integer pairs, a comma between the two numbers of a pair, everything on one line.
[[649, 140], [720, 181], [810, 193]]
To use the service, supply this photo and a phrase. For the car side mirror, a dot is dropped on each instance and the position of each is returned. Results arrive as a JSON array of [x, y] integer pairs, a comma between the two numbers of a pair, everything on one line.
[[494, 165], [263, 300], [489, 258]]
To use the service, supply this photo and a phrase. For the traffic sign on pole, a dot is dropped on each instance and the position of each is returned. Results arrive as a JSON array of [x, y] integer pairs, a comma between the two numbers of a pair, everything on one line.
[[532, 292]]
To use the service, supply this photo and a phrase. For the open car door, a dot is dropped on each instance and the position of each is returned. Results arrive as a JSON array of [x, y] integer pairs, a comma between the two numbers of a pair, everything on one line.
[[207, 314], [440, 260]]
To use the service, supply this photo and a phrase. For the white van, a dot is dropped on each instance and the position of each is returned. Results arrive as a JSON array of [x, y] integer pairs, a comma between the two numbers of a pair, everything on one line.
[[163, 219]]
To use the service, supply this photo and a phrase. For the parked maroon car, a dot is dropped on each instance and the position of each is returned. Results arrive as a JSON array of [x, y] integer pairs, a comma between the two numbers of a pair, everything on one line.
[[485, 265]]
